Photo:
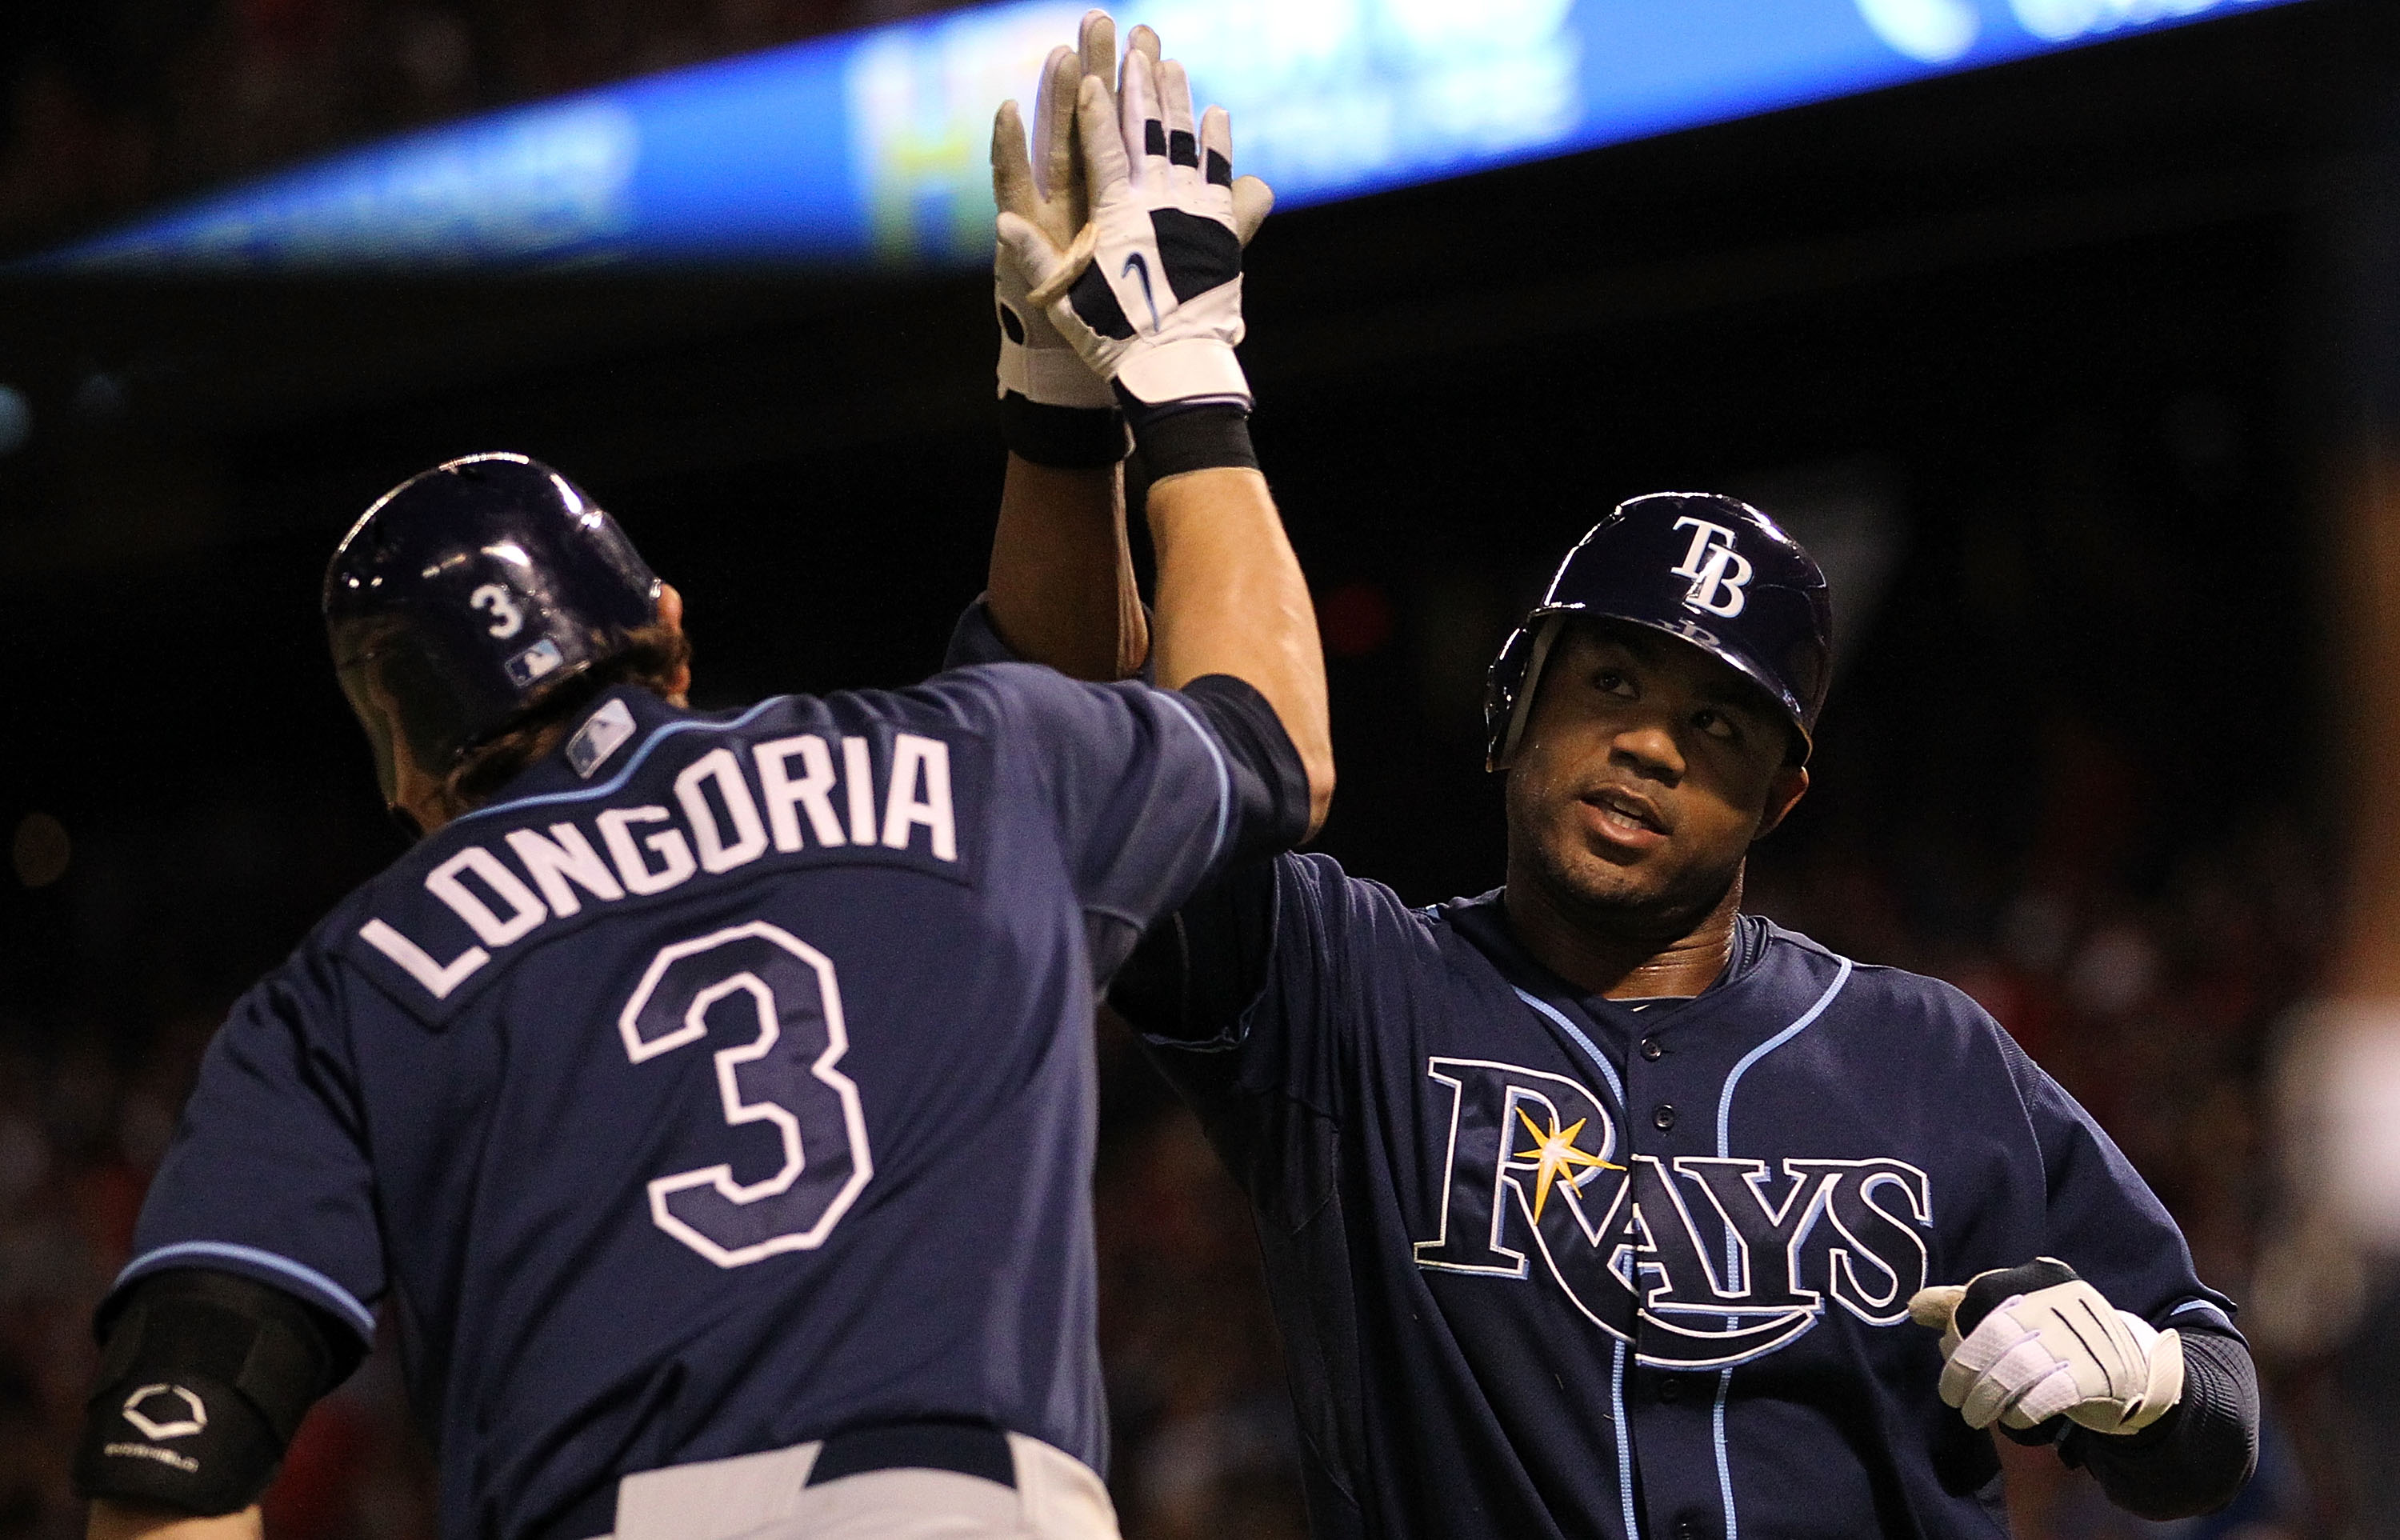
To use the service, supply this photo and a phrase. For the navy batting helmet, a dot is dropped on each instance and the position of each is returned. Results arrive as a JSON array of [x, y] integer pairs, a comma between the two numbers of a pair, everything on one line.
[[468, 592], [1714, 571]]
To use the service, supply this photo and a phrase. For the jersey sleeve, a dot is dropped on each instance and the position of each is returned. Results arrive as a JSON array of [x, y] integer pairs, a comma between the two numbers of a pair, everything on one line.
[[1237, 994], [2104, 1221], [267, 1175], [976, 640], [1150, 792]]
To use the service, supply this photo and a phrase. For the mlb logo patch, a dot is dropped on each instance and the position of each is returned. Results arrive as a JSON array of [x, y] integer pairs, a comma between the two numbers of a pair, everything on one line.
[[598, 738], [541, 658]]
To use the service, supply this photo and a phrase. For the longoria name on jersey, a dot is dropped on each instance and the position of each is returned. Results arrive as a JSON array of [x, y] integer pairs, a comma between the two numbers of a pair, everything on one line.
[[724, 824], [1718, 1258]]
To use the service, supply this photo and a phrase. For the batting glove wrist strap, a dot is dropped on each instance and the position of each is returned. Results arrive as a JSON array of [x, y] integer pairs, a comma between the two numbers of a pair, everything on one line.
[[1067, 437], [1185, 370], [1191, 436], [1044, 372]]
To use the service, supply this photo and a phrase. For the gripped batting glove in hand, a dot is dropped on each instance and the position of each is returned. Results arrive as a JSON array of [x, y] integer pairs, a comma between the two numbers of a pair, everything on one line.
[[1046, 192], [1150, 293], [2023, 1344]]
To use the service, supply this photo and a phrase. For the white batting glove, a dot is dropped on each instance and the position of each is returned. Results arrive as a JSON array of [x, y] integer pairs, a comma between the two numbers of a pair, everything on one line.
[[2049, 1345], [1149, 293], [1048, 193]]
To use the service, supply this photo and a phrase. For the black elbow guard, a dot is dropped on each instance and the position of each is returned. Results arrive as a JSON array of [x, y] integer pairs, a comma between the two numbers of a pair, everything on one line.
[[203, 1379], [2198, 1457]]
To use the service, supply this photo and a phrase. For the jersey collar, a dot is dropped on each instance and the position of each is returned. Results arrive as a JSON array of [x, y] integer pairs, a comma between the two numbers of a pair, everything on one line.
[[1483, 921], [554, 775]]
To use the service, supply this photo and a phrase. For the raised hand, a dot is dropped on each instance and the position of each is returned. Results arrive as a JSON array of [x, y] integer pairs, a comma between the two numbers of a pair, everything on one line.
[[1047, 191], [1149, 293]]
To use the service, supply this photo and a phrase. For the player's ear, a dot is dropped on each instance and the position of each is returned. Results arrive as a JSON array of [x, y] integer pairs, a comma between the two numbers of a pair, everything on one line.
[[1784, 789], [671, 617]]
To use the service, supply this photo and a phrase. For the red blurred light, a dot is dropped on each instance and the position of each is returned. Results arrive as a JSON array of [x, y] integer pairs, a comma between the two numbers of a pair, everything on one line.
[[1355, 620]]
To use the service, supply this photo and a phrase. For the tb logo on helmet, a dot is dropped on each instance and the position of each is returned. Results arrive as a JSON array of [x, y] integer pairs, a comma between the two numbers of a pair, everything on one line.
[[1716, 569]]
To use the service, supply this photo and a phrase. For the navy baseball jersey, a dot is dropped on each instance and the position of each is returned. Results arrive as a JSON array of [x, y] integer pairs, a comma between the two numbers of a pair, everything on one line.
[[1551, 1265], [726, 1082]]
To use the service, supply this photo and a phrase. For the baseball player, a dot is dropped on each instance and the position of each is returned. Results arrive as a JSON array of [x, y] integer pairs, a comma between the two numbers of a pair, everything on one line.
[[710, 1096], [1593, 1205]]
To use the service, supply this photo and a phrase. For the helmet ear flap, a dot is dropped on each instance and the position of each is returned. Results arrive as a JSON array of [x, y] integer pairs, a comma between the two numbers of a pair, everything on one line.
[[358, 687], [1516, 676], [400, 697]]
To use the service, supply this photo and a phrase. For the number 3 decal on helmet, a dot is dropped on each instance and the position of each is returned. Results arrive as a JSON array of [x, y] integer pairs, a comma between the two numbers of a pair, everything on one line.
[[507, 619]]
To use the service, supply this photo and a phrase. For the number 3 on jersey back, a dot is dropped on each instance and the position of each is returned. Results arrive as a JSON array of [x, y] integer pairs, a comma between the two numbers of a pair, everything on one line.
[[784, 1077]]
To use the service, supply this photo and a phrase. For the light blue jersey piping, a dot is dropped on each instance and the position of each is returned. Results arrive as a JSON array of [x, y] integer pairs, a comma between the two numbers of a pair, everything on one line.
[[1599, 1059], [1725, 1098], [1217, 758], [1724, 1139], [2202, 1304], [1616, 1373], [1624, 1444], [331, 1292], [1724, 1115], [616, 782]]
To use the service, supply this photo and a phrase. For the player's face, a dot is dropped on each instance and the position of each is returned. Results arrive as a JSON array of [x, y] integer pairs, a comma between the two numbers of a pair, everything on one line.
[[1647, 770]]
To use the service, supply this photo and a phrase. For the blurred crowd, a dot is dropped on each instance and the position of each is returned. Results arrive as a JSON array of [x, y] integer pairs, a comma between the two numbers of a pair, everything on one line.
[[2158, 1005], [2155, 1003], [110, 105]]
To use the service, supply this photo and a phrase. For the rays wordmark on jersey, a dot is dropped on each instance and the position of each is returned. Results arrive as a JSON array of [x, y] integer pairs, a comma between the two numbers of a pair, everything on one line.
[[1719, 1259]]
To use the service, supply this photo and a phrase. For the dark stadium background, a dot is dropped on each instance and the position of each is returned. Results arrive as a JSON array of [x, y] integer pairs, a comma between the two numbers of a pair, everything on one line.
[[2055, 354]]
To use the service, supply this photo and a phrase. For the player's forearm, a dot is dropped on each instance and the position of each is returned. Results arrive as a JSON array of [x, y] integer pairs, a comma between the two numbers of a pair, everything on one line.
[[119, 1522], [1232, 600], [1062, 588], [2195, 1459]]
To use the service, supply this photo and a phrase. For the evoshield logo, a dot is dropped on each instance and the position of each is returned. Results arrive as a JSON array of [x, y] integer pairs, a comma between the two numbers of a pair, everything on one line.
[[165, 1411], [1717, 571], [1697, 1262]]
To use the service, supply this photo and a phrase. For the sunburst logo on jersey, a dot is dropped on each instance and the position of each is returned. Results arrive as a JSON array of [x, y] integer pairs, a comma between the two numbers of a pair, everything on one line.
[[1555, 1153]]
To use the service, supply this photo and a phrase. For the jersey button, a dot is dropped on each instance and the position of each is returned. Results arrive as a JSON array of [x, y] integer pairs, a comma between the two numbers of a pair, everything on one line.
[[1670, 1388], [1663, 1115], [1687, 1529], [1650, 1049]]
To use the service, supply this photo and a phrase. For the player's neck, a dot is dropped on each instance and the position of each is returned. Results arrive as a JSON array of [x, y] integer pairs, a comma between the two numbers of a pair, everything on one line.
[[1608, 959]]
